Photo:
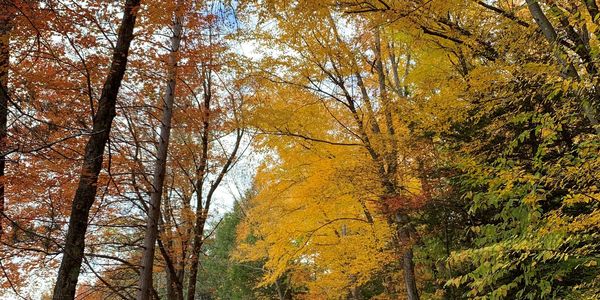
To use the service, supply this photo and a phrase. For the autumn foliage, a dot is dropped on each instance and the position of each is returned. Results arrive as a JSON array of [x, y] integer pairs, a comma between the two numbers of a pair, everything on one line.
[[378, 149]]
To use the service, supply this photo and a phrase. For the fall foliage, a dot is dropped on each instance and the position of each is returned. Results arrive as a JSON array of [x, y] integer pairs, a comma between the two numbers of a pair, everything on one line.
[[270, 149]]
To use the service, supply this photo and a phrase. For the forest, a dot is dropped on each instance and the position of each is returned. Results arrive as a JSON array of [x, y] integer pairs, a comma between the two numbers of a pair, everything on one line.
[[299, 149]]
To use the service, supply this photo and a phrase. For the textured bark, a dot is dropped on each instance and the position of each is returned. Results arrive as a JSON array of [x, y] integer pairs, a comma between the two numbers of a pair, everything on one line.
[[392, 151], [160, 166], [408, 265], [85, 195], [409, 275], [174, 286], [5, 28], [568, 69], [197, 246], [550, 33]]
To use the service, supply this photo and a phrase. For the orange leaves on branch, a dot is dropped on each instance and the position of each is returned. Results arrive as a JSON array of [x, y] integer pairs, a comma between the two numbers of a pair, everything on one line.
[[405, 203]]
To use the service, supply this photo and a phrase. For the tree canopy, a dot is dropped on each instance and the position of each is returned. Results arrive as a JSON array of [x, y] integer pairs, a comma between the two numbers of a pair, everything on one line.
[[331, 149]]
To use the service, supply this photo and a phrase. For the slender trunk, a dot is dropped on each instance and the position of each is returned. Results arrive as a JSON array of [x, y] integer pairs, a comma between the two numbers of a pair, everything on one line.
[[569, 70], [409, 275], [391, 158], [404, 241], [550, 33], [85, 195], [392, 153], [185, 244], [173, 274], [280, 293], [174, 285], [365, 96], [405, 245], [200, 209], [5, 27], [404, 228], [386, 160], [200, 223], [197, 246], [160, 167], [394, 67], [172, 290]]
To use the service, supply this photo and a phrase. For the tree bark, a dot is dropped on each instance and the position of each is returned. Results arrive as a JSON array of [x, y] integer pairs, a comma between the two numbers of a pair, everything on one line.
[[174, 269], [5, 28], [200, 209], [391, 160], [197, 246], [408, 265], [552, 37], [392, 153], [85, 195], [160, 166], [174, 285]]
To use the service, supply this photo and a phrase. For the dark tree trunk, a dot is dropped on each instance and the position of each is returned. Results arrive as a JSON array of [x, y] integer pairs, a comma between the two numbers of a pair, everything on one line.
[[404, 227], [197, 246], [85, 195], [5, 27], [201, 219], [200, 209]]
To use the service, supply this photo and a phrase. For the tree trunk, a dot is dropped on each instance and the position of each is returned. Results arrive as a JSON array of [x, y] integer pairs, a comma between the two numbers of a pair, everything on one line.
[[202, 215], [160, 166], [409, 274], [569, 70], [401, 220], [197, 246], [173, 273], [201, 219], [85, 195], [5, 27], [199, 184], [408, 265]]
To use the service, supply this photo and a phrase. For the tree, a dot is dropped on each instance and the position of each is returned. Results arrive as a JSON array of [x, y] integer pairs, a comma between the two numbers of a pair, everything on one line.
[[161, 160], [221, 276], [403, 149], [94, 154], [328, 62], [505, 152], [5, 28]]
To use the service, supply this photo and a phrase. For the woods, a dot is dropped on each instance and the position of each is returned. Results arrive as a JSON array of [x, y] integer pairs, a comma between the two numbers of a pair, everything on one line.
[[314, 149]]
